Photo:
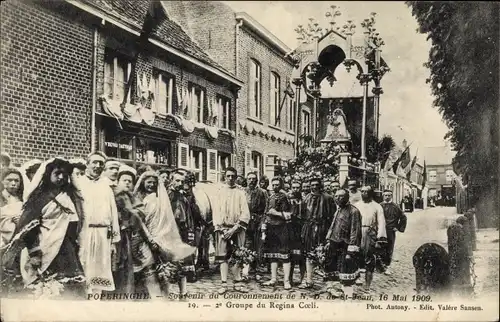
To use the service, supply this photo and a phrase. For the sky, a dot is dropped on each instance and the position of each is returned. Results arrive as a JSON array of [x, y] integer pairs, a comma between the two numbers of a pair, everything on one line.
[[406, 105]]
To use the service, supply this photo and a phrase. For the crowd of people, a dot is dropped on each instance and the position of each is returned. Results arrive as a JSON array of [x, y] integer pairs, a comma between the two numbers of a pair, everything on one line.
[[103, 227]]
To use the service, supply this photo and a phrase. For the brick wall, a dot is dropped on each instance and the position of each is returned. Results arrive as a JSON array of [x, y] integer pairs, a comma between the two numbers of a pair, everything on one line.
[[251, 47], [211, 24], [46, 61]]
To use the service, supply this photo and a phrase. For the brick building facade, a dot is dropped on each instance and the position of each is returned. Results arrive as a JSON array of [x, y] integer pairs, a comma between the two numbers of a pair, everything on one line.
[[193, 98], [46, 72], [266, 128]]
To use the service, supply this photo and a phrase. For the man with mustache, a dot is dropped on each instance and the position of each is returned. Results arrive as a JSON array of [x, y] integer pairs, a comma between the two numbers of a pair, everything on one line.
[[320, 208], [343, 241], [257, 200]]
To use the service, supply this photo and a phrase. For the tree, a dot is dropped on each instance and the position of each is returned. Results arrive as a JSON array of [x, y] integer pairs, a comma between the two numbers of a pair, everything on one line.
[[463, 63]]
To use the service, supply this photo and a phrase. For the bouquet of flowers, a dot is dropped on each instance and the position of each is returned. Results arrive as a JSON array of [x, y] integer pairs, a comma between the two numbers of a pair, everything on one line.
[[47, 287], [242, 256], [169, 272], [317, 256]]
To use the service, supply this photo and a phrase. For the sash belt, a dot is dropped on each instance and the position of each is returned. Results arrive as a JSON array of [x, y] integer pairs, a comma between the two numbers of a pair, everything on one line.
[[98, 226]]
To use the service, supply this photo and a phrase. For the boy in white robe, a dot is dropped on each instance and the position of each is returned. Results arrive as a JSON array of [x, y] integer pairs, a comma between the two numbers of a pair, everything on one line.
[[100, 230]]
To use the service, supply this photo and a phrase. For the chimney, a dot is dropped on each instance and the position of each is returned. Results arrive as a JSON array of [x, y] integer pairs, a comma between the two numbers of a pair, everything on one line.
[[405, 143]]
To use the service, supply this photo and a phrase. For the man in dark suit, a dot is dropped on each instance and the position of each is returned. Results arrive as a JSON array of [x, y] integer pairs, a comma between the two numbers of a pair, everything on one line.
[[395, 220]]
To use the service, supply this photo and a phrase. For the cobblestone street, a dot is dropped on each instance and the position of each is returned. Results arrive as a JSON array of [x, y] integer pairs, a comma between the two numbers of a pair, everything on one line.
[[423, 226]]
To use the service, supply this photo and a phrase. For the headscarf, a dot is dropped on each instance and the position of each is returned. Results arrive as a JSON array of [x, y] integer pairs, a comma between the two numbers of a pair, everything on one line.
[[160, 219]]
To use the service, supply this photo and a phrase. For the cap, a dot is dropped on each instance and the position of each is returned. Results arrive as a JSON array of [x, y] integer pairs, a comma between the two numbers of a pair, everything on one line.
[[127, 168]]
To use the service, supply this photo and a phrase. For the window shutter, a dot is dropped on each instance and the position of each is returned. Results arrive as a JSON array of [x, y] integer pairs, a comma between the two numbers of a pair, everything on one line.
[[269, 160], [202, 107], [170, 95], [212, 166], [248, 161], [272, 108], [183, 156]]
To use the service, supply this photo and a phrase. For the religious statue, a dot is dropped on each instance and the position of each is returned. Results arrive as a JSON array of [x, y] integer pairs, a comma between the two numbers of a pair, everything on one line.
[[336, 130]]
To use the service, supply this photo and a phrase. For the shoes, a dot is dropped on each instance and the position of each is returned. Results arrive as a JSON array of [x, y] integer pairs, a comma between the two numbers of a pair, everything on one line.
[[222, 289], [269, 283], [387, 272], [306, 285], [240, 287], [288, 286]]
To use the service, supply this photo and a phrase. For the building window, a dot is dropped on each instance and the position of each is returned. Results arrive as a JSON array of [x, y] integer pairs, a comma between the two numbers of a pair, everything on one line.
[[306, 123], [254, 89], [274, 95], [272, 163], [164, 88], [132, 148], [449, 176], [197, 103], [292, 118], [224, 110], [116, 74], [224, 161], [253, 162], [432, 176], [196, 157]]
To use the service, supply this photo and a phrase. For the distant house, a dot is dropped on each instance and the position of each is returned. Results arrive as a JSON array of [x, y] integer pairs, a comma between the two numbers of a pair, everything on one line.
[[440, 174]]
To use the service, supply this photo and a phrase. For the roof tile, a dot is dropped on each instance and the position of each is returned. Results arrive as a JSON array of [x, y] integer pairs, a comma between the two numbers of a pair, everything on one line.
[[133, 13]]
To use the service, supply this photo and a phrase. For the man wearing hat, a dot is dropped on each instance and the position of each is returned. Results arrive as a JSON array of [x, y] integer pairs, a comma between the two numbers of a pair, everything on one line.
[[122, 182], [111, 168]]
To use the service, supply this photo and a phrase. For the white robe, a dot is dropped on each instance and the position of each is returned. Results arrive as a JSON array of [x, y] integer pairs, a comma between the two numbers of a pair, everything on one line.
[[372, 223], [99, 208]]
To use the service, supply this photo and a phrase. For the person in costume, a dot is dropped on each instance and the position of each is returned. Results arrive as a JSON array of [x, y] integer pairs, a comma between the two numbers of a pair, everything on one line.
[[184, 217], [122, 266], [101, 229], [395, 220], [275, 231], [257, 201], [373, 232], [297, 256], [230, 216], [46, 234], [164, 242], [320, 208], [343, 242], [11, 201]]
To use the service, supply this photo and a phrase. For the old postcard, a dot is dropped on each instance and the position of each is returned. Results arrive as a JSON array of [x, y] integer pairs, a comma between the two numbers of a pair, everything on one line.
[[249, 161]]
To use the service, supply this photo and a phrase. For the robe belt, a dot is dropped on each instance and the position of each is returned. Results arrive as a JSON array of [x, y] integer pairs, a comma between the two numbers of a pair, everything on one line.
[[368, 226], [98, 226], [110, 232]]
